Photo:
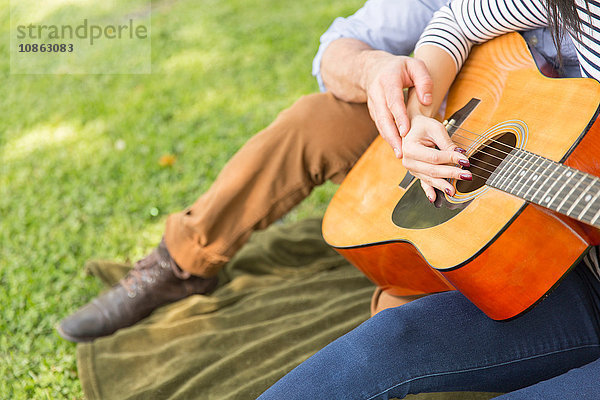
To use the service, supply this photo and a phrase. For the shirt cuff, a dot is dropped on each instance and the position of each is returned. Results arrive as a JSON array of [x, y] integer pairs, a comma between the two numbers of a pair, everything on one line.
[[326, 40]]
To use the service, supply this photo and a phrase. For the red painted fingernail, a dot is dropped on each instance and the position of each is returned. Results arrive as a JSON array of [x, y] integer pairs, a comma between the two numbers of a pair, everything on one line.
[[430, 199], [466, 177], [460, 150], [448, 191], [464, 163]]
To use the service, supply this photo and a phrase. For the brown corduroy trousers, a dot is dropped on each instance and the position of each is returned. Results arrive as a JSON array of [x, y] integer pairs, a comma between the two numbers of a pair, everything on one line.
[[318, 138]]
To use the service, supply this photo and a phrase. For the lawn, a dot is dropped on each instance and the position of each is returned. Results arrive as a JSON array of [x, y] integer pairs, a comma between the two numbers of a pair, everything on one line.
[[81, 176]]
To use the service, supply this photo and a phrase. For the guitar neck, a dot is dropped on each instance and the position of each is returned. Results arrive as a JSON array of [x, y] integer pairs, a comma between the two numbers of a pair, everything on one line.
[[549, 184]]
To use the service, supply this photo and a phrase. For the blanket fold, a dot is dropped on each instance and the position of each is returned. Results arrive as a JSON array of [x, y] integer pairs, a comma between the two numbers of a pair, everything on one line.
[[284, 296]]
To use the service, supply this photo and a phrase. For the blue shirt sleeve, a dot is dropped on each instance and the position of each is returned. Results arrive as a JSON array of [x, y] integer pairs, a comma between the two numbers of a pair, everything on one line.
[[390, 25], [396, 25]]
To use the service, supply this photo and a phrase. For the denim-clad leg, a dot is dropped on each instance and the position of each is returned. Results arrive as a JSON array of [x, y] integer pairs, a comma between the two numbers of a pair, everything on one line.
[[444, 343], [579, 383]]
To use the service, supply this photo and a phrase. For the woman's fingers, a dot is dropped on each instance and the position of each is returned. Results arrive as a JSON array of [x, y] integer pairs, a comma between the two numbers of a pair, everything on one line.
[[431, 156], [438, 183], [415, 151], [434, 174], [436, 171], [429, 191], [436, 177]]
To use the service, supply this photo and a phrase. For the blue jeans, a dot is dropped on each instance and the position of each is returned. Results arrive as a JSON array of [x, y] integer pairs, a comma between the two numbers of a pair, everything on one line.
[[443, 343]]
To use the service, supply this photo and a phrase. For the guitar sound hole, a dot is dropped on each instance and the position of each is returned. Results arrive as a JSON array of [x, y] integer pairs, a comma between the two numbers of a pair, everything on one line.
[[486, 159]]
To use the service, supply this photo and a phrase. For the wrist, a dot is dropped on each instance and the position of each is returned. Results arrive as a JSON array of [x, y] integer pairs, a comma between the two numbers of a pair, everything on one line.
[[414, 108], [369, 62]]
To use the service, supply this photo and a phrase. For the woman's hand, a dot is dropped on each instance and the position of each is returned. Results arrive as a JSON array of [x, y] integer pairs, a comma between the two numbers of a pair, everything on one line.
[[430, 164]]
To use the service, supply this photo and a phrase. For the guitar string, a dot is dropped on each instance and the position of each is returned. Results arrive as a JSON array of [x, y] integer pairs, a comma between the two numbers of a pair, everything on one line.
[[491, 155], [484, 152], [567, 205], [537, 157], [482, 136], [578, 190], [531, 163], [494, 166], [500, 151]]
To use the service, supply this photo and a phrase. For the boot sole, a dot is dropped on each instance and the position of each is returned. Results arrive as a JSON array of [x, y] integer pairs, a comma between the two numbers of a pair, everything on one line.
[[74, 339]]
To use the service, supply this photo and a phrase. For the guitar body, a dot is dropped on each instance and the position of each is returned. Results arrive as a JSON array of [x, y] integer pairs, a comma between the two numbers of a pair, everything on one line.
[[500, 251]]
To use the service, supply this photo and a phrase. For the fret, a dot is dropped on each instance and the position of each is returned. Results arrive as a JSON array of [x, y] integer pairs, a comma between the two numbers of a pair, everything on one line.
[[577, 202], [506, 168], [524, 173], [506, 164], [590, 202], [518, 171], [531, 179], [570, 193], [568, 174], [595, 218], [492, 180], [535, 179], [545, 198], [545, 163]]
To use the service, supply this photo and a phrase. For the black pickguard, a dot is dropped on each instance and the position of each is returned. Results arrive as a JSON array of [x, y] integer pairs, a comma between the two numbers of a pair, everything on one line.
[[414, 211]]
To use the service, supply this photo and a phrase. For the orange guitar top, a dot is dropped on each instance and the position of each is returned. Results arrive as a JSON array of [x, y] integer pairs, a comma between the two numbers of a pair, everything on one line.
[[497, 248]]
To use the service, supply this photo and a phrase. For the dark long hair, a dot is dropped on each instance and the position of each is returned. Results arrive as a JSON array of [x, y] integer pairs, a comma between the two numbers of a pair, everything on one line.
[[563, 17]]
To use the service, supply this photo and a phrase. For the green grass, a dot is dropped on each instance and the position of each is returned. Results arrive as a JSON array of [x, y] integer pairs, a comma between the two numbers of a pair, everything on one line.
[[222, 70]]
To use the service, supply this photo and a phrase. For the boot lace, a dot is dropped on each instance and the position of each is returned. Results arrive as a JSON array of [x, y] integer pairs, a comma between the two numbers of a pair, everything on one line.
[[144, 273]]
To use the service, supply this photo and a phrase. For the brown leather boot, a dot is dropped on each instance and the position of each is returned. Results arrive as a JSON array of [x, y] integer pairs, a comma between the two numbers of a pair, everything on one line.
[[154, 281]]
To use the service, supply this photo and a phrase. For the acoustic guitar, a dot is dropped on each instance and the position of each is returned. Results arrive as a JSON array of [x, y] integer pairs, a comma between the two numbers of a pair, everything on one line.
[[506, 238]]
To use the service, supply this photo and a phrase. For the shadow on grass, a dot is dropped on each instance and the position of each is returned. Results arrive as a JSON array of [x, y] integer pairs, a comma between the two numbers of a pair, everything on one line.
[[80, 153]]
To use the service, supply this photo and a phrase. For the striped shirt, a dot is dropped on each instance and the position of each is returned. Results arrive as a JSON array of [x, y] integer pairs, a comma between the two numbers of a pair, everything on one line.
[[462, 23]]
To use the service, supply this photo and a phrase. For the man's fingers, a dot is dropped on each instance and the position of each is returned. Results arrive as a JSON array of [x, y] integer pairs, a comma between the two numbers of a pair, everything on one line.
[[419, 74], [395, 101], [389, 131], [384, 120]]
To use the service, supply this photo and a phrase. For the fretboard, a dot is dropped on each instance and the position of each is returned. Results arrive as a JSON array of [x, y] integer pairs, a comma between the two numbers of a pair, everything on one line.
[[549, 184]]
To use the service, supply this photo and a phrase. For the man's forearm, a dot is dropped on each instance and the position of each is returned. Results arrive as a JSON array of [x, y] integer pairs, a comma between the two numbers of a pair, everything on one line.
[[355, 72], [344, 66]]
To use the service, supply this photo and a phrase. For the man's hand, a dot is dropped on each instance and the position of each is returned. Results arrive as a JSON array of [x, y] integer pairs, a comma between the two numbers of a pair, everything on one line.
[[429, 153], [355, 72], [385, 78]]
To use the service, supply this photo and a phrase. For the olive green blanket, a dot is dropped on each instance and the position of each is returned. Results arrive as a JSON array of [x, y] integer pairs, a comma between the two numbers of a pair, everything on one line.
[[282, 298]]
